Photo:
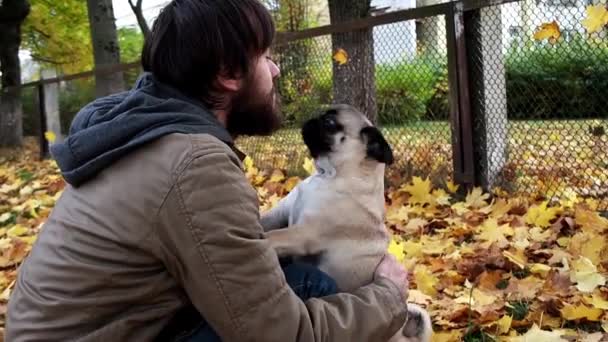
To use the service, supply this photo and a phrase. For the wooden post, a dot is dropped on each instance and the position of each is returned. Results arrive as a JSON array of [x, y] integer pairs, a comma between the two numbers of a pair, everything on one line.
[[459, 100], [44, 146]]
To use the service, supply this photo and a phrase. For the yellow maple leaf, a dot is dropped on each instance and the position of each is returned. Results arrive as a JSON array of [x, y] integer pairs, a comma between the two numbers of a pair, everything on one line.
[[277, 176], [518, 259], [50, 136], [248, 163], [491, 232], [419, 190], [452, 187], [476, 198], [412, 249], [447, 336], [540, 215], [396, 248], [548, 31], [341, 56], [540, 269], [291, 183], [536, 334], [589, 220], [597, 18], [597, 301], [573, 312], [17, 230], [441, 197], [309, 166], [500, 208], [588, 244], [585, 275], [425, 280], [504, 324]]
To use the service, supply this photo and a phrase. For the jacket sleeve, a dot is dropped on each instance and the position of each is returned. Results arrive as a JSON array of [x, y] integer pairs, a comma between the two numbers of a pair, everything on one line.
[[212, 243]]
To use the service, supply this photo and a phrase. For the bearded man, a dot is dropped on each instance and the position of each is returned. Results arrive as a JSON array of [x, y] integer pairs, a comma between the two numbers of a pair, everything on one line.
[[157, 234]]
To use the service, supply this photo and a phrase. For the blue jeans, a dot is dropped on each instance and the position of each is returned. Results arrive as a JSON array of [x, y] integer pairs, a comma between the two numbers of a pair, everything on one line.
[[305, 280]]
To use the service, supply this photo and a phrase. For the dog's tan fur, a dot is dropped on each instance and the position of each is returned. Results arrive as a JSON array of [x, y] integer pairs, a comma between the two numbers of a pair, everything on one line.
[[338, 213]]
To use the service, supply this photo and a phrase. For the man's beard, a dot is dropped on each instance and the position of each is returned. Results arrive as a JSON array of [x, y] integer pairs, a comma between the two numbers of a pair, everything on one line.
[[252, 113]]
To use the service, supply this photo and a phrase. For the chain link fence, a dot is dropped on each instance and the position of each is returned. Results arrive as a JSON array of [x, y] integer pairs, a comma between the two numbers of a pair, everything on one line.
[[386, 71], [538, 107]]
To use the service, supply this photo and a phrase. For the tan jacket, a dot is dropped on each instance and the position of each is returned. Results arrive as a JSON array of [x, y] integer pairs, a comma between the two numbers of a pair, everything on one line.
[[173, 223]]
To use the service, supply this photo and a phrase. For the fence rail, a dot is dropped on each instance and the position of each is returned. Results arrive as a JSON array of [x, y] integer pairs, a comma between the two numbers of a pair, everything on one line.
[[460, 88]]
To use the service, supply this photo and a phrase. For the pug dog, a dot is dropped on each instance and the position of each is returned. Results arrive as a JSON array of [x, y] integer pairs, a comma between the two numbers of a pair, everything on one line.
[[337, 214]]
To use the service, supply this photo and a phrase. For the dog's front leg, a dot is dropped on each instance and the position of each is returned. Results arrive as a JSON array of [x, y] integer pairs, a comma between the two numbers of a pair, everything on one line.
[[297, 240], [278, 217]]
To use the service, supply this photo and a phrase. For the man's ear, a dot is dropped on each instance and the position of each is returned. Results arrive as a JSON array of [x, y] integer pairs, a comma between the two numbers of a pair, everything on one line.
[[377, 147], [228, 83]]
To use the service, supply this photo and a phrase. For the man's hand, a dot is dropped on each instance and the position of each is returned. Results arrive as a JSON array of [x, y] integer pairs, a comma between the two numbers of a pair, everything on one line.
[[390, 268]]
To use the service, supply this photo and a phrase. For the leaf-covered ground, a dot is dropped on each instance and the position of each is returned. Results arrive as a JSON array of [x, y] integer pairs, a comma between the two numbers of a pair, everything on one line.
[[487, 268]]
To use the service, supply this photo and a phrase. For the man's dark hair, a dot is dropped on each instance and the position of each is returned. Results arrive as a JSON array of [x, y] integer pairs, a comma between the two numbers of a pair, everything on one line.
[[194, 41]]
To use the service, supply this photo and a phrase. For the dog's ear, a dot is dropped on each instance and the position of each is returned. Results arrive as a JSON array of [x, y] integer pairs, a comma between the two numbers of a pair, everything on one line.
[[377, 147]]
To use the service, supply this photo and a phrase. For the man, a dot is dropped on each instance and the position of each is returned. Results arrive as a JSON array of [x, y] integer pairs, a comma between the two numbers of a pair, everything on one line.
[[158, 226]]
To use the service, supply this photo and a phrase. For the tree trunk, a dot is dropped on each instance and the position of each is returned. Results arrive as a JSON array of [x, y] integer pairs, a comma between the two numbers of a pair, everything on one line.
[[106, 51], [141, 20], [12, 15], [354, 81]]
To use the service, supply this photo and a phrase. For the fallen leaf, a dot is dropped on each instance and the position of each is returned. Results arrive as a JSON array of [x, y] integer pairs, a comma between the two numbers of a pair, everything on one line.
[[540, 215], [425, 280], [419, 190], [597, 301], [574, 312], [476, 198], [536, 334], [585, 275]]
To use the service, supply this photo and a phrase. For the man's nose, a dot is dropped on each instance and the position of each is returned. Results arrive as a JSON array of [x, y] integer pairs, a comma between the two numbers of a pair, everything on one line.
[[274, 69]]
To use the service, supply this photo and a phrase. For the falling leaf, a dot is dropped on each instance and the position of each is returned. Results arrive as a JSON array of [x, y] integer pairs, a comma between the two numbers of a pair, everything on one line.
[[597, 18], [341, 56], [574, 312], [50, 136], [585, 275], [548, 31]]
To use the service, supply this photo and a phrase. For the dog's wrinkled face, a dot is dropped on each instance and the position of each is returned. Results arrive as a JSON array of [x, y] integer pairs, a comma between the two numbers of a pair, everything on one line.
[[346, 137]]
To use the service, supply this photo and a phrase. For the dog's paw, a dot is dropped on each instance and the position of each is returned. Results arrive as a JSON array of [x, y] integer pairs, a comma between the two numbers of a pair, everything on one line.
[[418, 327]]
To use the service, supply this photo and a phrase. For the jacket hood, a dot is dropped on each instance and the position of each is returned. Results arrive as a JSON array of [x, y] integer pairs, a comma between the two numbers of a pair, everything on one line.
[[110, 127]]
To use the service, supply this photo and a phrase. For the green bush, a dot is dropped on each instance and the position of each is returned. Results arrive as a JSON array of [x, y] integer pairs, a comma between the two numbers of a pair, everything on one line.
[[404, 90], [565, 81]]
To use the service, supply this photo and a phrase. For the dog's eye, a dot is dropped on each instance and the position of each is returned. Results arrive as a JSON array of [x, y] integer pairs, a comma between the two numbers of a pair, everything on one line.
[[342, 139], [329, 122]]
